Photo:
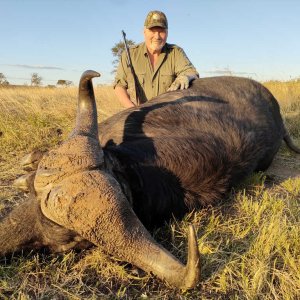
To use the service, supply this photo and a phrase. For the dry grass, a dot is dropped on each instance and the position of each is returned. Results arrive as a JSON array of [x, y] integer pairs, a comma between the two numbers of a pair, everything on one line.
[[40, 118], [250, 246], [288, 95]]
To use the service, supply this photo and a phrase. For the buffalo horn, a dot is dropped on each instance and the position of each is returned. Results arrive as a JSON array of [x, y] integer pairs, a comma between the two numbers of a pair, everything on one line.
[[86, 120]]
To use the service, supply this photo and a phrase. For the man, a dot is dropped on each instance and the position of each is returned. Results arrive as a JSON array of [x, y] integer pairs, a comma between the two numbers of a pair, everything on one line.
[[159, 66]]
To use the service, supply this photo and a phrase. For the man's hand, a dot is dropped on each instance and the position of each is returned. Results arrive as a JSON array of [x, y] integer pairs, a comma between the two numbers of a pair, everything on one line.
[[123, 97], [181, 82]]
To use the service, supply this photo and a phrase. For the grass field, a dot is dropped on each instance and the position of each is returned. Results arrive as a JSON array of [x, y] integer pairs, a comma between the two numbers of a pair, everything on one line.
[[250, 246]]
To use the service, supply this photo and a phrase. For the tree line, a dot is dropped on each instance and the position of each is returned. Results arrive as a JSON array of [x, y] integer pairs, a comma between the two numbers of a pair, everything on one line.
[[35, 80]]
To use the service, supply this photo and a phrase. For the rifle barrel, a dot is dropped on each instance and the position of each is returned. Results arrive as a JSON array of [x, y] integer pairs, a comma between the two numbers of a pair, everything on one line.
[[129, 63]]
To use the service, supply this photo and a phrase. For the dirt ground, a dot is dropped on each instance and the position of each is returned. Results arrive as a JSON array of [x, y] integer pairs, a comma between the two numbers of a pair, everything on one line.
[[284, 167]]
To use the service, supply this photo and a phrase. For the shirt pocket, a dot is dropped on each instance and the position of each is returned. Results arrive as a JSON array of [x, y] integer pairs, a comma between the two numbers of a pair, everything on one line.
[[141, 78], [166, 79]]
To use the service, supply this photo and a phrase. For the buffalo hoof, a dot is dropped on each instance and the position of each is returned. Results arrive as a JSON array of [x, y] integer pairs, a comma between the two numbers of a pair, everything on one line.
[[30, 161], [25, 182]]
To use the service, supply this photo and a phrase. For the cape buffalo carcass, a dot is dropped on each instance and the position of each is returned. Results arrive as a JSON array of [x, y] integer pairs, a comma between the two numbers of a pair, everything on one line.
[[180, 151]]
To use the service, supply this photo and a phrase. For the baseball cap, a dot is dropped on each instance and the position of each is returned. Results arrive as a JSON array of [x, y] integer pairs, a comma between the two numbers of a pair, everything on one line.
[[156, 18]]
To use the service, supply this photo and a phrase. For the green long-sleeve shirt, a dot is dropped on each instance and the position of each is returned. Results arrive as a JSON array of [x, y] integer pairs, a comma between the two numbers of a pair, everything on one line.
[[172, 62]]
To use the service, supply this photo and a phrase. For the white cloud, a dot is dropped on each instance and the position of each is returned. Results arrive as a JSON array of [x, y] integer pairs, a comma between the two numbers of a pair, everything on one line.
[[39, 67], [227, 71]]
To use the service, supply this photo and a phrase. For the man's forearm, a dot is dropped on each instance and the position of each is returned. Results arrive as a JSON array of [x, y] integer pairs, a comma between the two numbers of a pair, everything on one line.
[[123, 97]]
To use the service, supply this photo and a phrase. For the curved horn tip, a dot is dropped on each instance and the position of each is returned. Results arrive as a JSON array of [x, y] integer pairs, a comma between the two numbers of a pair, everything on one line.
[[89, 74], [193, 264], [194, 255]]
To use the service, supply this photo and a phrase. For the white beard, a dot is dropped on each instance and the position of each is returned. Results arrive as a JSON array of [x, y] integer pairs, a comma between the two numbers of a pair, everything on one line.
[[156, 46]]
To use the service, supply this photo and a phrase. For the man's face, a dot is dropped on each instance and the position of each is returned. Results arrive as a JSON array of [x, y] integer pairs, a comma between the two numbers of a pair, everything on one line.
[[155, 38]]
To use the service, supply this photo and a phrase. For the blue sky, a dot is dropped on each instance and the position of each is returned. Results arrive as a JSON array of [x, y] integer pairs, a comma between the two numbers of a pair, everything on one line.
[[59, 39]]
